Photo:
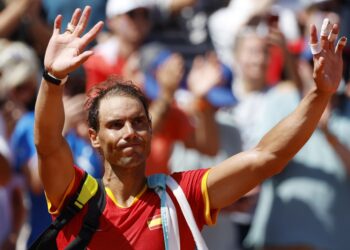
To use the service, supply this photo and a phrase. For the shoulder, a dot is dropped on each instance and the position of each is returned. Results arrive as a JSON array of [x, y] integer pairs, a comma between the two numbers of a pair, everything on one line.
[[191, 179]]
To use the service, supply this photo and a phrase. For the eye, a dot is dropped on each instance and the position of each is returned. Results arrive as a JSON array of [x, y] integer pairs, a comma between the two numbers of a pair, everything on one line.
[[140, 122], [116, 125]]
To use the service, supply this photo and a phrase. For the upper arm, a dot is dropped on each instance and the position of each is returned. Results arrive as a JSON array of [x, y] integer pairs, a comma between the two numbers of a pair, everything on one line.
[[5, 170], [56, 171], [231, 179]]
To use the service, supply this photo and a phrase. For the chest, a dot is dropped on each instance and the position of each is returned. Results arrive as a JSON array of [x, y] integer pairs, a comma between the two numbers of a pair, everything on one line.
[[135, 227]]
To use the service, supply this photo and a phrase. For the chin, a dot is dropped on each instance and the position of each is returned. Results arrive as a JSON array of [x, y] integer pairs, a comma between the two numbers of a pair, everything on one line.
[[125, 160], [129, 162]]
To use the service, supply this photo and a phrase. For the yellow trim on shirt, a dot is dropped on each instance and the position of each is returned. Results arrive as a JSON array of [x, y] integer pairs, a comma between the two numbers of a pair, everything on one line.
[[55, 211], [88, 190], [210, 218], [137, 197]]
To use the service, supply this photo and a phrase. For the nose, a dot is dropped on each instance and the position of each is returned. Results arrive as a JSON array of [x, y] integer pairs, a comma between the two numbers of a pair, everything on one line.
[[129, 131]]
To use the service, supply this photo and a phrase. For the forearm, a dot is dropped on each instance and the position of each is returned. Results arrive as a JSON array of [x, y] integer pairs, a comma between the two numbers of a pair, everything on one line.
[[287, 137], [10, 17], [49, 118], [158, 110], [19, 213], [5, 171], [342, 151], [178, 5], [206, 137]]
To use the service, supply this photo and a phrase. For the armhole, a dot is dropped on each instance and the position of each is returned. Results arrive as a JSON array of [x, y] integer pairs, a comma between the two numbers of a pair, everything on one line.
[[209, 215], [55, 211]]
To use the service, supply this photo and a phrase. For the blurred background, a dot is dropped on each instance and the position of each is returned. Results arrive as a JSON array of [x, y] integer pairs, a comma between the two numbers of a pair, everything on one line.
[[218, 74]]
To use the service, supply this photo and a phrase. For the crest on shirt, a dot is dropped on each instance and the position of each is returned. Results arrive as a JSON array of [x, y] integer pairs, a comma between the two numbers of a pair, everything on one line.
[[154, 222]]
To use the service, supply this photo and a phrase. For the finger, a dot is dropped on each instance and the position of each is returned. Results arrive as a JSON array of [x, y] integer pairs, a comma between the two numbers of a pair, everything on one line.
[[325, 31], [83, 21], [332, 37], [75, 17], [57, 25], [198, 62], [313, 34], [340, 46], [79, 60], [313, 43], [73, 22], [212, 58], [91, 35]]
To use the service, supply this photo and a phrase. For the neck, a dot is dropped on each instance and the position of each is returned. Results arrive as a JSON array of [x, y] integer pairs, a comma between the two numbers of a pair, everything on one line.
[[124, 183]]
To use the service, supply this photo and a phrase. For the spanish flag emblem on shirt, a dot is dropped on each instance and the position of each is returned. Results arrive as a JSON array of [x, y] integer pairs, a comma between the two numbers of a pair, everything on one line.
[[154, 222]]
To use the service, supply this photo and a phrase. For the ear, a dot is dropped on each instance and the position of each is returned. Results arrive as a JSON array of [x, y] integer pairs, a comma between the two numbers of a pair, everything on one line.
[[94, 139], [150, 128]]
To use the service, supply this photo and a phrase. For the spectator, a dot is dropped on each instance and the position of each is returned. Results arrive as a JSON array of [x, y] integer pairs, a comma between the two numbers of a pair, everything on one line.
[[163, 73], [18, 81], [129, 23], [22, 20], [12, 210]]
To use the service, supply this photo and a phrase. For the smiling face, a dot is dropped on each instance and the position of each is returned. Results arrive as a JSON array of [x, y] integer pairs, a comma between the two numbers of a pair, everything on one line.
[[124, 134]]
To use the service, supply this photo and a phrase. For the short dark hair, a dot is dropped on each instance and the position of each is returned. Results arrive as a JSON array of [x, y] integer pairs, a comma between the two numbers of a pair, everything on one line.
[[113, 86]]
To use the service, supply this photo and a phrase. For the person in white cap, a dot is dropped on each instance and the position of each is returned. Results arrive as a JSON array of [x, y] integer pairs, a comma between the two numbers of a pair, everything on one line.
[[120, 128], [129, 24]]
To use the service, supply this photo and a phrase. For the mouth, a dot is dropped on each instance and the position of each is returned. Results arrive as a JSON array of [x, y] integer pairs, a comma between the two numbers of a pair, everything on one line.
[[129, 149], [130, 145]]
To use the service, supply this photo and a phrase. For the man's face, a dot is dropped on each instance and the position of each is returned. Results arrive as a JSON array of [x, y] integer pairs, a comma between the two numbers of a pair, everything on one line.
[[125, 132]]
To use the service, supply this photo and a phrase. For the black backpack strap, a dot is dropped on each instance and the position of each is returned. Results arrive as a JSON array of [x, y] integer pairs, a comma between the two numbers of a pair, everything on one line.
[[47, 240], [96, 205]]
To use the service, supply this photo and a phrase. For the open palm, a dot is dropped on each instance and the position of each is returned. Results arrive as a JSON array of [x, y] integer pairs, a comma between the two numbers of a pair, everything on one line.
[[328, 62], [65, 51]]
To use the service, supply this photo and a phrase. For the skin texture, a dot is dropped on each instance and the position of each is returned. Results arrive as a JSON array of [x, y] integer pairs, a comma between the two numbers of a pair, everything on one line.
[[124, 136]]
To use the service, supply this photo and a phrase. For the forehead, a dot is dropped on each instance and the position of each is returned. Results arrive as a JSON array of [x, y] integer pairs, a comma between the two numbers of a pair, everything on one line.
[[248, 41], [121, 107]]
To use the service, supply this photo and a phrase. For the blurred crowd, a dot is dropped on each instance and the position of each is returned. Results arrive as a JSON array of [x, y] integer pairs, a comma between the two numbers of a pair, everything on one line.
[[218, 74]]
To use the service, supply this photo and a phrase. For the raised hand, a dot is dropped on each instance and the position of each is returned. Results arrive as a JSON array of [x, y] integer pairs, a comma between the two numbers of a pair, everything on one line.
[[65, 51], [170, 73], [204, 74], [327, 56]]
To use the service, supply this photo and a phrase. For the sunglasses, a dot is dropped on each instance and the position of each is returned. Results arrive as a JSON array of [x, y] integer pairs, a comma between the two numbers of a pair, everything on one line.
[[139, 13]]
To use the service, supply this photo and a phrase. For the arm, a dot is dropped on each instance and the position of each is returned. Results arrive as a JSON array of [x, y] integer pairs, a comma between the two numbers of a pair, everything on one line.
[[36, 27], [19, 217], [237, 175], [203, 76], [11, 15], [5, 171], [5, 168], [178, 5], [342, 150], [65, 53], [168, 75]]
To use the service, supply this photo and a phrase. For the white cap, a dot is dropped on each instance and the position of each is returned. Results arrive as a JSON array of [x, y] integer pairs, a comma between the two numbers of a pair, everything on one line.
[[118, 7], [18, 64]]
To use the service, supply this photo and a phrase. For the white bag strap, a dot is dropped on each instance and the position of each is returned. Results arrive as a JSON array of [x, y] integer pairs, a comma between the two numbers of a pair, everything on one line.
[[168, 212], [187, 212]]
